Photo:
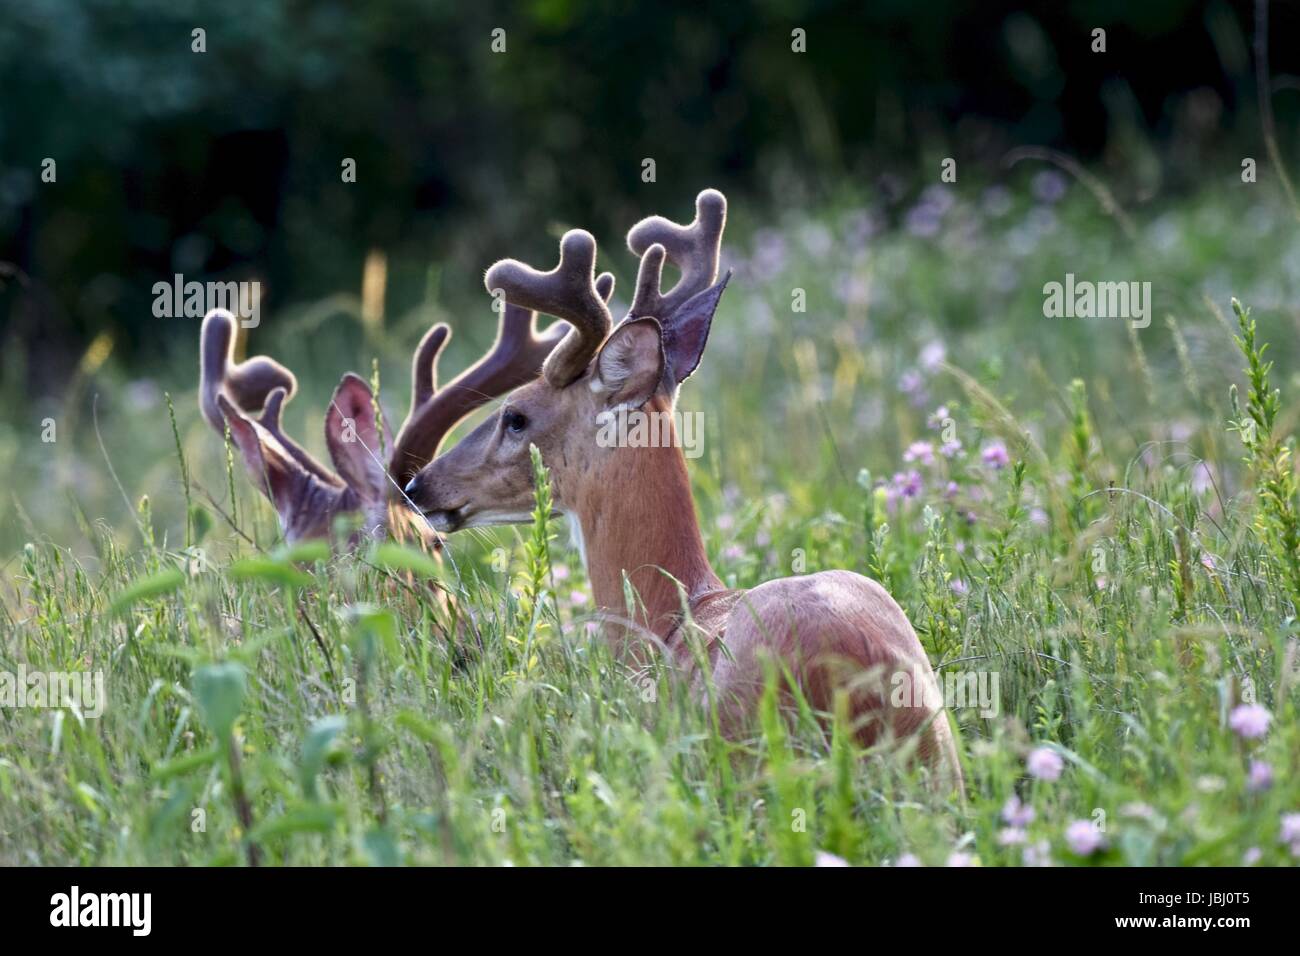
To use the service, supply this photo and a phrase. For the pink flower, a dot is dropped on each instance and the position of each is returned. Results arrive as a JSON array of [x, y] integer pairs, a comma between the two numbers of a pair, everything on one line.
[[908, 485], [823, 858], [1011, 836], [921, 451], [1037, 854], [561, 572], [1250, 721], [1260, 777], [908, 860], [958, 586], [957, 858], [950, 449], [1290, 828], [1044, 763], [1017, 814], [911, 383], [995, 455], [936, 418], [932, 356], [1084, 838], [577, 598], [1251, 856]]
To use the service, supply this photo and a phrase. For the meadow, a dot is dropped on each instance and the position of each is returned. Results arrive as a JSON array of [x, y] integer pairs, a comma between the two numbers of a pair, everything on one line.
[[1096, 525]]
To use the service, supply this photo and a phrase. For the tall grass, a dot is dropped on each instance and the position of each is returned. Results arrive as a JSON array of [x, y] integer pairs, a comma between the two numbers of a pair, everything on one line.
[[1117, 546]]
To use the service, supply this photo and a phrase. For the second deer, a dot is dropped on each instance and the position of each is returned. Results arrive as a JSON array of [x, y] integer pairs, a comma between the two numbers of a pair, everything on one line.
[[633, 509]]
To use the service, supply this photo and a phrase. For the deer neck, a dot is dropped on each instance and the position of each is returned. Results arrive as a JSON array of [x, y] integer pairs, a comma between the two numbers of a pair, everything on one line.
[[637, 516]]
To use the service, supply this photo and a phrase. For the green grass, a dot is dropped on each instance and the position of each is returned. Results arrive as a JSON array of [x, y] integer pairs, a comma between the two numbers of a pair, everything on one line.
[[1129, 577]]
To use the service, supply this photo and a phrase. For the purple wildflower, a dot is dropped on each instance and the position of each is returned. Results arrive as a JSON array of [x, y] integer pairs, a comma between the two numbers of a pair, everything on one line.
[[1017, 814], [1037, 854], [995, 455], [1250, 721], [822, 858], [1044, 763], [909, 484], [932, 356], [1048, 186], [1084, 837], [1290, 828], [1260, 777], [922, 451], [1011, 836]]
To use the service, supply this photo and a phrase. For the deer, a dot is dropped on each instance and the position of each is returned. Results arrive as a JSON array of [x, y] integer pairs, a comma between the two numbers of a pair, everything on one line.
[[248, 397], [634, 517]]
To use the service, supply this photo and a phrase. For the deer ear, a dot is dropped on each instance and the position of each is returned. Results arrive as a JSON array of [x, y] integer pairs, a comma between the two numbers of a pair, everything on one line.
[[353, 439], [630, 365], [271, 467], [686, 331]]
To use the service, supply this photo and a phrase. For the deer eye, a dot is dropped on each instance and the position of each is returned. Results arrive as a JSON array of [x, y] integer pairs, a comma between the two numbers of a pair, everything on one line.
[[514, 422]]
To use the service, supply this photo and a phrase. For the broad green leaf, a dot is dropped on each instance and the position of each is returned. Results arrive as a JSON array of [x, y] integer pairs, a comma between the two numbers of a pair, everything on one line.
[[316, 749], [268, 569], [163, 582], [395, 557], [219, 690]]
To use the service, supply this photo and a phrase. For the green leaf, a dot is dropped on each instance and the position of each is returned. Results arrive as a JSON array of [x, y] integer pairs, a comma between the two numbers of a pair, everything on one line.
[[163, 582], [373, 626], [395, 557], [307, 552], [201, 520], [180, 765], [316, 750], [312, 818], [268, 569], [219, 690]]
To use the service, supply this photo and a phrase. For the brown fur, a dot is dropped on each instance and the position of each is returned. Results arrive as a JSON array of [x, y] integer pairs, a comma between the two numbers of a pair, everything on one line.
[[833, 630]]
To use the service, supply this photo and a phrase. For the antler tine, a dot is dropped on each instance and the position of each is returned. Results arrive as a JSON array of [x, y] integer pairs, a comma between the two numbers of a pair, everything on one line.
[[259, 383], [248, 383], [567, 292], [515, 358], [693, 249], [270, 420]]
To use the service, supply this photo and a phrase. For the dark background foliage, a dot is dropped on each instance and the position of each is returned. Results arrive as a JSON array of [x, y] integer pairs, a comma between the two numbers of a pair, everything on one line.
[[226, 164]]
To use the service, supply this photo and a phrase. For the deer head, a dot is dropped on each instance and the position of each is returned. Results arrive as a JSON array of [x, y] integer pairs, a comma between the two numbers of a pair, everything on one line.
[[306, 494], [592, 374]]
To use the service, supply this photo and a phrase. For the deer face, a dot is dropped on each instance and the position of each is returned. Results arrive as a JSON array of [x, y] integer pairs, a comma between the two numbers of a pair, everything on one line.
[[308, 496], [487, 479], [591, 376]]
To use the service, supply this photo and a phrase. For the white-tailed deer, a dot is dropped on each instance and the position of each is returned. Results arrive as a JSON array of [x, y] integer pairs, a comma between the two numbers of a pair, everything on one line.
[[633, 509], [308, 496]]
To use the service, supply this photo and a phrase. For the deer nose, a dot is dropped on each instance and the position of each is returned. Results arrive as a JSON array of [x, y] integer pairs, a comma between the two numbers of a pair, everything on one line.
[[412, 487]]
